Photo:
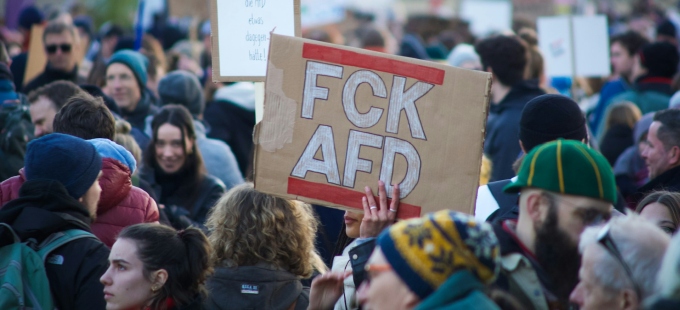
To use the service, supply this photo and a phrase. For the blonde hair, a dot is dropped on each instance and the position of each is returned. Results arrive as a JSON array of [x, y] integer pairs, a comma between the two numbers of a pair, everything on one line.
[[248, 227], [126, 140], [624, 113]]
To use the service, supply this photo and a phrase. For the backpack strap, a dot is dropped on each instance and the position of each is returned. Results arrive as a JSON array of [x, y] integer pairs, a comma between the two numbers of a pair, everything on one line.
[[56, 240]]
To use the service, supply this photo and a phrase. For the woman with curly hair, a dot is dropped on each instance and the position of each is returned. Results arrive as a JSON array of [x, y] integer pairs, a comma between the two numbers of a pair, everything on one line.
[[152, 266], [263, 246]]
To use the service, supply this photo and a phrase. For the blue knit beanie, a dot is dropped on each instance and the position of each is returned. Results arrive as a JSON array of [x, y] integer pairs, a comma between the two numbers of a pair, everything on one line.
[[30, 16], [183, 88], [67, 159], [109, 149], [133, 60]]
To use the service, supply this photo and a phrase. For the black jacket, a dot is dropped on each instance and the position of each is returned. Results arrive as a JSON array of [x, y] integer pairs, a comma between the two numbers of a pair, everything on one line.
[[502, 129], [145, 107], [43, 208], [616, 140], [182, 216], [50, 75], [255, 287], [669, 181], [233, 125]]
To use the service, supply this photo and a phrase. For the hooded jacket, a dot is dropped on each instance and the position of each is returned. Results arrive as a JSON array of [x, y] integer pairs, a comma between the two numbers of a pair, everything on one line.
[[121, 204], [232, 118], [502, 129], [51, 75], [255, 287], [44, 207], [461, 291]]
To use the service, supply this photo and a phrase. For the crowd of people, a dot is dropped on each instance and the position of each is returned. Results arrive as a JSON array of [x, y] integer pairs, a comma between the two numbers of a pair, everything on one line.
[[126, 182]]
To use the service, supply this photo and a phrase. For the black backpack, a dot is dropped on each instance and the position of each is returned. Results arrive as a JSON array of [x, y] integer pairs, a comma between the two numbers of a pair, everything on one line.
[[16, 130]]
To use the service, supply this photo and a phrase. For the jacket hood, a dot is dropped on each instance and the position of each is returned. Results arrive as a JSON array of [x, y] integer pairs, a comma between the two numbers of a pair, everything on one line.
[[115, 183], [44, 207], [274, 287], [241, 94], [109, 149]]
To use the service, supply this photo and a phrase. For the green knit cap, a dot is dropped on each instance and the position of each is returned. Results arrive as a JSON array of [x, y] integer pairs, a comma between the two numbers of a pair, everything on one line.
[[566, 167]]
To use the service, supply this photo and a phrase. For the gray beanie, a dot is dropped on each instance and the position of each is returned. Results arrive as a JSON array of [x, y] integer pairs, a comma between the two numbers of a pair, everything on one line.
[[183, 88]]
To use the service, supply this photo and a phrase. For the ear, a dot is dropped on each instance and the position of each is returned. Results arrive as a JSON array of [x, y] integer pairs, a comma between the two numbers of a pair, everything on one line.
[[521, 145], [535, 206], [674, 155], [159, 277], [629, 300]]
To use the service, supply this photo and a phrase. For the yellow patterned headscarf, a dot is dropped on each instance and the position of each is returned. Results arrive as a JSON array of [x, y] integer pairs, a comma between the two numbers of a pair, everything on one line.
[[426, 251]]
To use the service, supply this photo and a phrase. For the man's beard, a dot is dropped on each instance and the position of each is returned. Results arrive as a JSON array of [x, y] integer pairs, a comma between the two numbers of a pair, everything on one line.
[[558, 255]]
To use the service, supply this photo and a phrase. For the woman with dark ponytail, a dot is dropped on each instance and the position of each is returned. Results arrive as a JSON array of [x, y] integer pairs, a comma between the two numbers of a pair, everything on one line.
[[155, 267]]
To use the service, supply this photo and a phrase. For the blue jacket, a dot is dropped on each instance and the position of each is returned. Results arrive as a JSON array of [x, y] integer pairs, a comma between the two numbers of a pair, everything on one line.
[[502, 129], [461, 291], [609, 91]]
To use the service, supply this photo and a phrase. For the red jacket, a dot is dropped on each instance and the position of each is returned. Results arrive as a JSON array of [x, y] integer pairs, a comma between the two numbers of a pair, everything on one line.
[[120, 204]]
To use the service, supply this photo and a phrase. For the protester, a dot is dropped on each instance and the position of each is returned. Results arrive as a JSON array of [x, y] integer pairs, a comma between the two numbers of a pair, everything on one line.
[[662, 153], [121, 204], [619, 268], [156, 267], [405, 272], [28, 17], [663, 209], [174, 168], [543, 119], [361, 228], [82, 116], [464, 56], [61, 192], [624, 49], [505, 57], [618, 131], [16, 129], [231, 117], [46, 101], [183, 88], [265, 242], [126, 84], [655, 67], [62, 60], [667, 295], [630, 169], [564, 186]]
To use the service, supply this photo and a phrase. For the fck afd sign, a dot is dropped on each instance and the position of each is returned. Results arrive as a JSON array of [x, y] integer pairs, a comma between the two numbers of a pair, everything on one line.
[[337, 119]]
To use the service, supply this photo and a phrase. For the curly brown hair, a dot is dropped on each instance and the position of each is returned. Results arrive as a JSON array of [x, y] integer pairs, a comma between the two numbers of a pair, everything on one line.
[[248, 227]]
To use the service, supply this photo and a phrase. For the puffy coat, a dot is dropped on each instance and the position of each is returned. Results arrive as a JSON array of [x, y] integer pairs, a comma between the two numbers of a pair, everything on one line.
[[120, 204]]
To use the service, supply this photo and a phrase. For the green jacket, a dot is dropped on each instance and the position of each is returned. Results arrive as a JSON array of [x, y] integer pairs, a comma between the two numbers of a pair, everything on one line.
[[461, 291]]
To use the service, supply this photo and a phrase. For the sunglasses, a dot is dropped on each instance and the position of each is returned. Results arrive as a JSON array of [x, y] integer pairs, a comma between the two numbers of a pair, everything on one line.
[[605, 239], [52, 48]]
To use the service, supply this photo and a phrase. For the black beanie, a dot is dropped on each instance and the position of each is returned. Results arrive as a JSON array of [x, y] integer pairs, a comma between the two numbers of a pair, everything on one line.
[[660, 59], [666, 28], [548, 117]]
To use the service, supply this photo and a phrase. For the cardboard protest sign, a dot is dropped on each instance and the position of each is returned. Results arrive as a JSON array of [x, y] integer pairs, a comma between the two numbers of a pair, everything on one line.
[[337, 119], [240, 35], [37, 59], [574, 45]]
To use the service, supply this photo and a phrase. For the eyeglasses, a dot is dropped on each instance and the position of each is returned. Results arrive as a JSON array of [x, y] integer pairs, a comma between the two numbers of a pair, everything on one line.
[[52, 48], [375, 268], [605, 239]]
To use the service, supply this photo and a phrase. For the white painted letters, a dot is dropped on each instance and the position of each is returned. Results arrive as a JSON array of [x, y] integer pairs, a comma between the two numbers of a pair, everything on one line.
[[406, 100], [352, 162], [369, 119], [322, 138], [394, 146], [312, 92]]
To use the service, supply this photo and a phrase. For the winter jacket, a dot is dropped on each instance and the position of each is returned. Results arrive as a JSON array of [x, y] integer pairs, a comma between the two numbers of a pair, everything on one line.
[[137, 117], [668, 181], [218, 158], [616, 140], [255, 287], [610, 90], [120, 204], [44, 207], [182, 216], [502, 129], [342, 263], [232, 118], [521, 275], [51, 75], [461, 291]]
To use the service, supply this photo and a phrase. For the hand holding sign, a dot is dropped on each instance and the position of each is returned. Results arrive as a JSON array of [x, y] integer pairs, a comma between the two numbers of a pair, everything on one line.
[[378, 216]]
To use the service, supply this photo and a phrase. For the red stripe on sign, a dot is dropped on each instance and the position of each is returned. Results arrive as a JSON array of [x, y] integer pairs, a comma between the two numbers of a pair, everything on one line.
[[341, 196], [349, 58]]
